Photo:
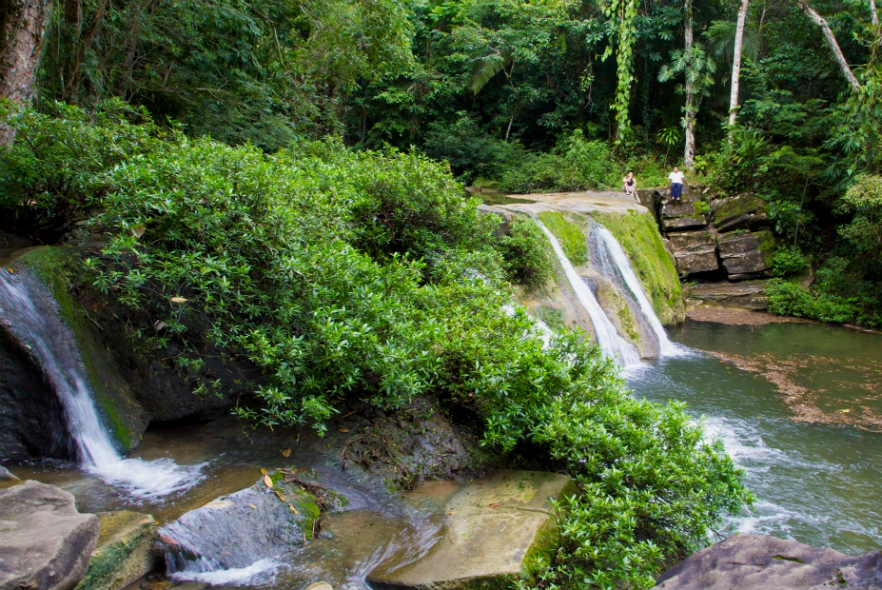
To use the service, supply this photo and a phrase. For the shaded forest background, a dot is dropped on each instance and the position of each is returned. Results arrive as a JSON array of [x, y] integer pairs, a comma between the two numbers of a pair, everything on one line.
[[529, 96]]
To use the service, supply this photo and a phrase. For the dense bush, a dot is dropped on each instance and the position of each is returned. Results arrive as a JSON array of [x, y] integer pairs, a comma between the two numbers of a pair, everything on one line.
[[367, 276], [788, 262], [788, 299], [575, 164], [526, 254]]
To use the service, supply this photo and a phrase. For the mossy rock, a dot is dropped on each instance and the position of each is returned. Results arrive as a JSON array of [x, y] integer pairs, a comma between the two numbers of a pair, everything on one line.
[[124, 551], [59, 269], [655, 267]]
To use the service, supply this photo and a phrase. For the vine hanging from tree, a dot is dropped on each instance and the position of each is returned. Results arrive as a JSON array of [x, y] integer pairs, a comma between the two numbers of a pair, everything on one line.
[[622, 14]]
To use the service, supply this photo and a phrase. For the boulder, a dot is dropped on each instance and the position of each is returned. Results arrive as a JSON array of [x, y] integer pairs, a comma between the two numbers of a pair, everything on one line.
[[124, 551], [760, 562], [738, 212], [694, 251], [495, 531], [7, 479], [44, 542], [746, 255], [32, 423], [744, 295], [684, 222]]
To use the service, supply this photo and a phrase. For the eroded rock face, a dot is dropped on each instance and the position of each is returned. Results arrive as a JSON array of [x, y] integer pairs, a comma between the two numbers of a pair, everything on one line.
[[746, 255], [760, 562], [44, 542], [694, 251], [745, 295], [124, 551], [743, 211], [495, 530]]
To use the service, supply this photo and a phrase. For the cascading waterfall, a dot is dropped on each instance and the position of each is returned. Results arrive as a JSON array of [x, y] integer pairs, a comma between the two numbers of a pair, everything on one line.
[[608, 338], [614, 263], [33, 316]]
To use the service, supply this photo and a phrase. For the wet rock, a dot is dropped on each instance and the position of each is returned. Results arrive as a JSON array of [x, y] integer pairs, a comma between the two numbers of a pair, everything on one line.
[[494, 533], [124, 551], [236, 530], [32, 424], [44, 542], [694, 251], [7, 479], [746, 255], [744, 295], [759, 562]]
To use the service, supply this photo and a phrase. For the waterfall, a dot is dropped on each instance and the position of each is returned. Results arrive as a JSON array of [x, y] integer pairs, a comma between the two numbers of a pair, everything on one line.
[[608, 338], [34, 318], [615, 265]]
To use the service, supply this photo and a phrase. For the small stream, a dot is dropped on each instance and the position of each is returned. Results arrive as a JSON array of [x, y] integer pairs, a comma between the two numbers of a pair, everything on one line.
[[800, 415]]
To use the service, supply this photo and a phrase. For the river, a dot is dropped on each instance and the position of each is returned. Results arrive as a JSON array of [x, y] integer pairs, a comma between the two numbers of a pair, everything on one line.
[[797, 406]]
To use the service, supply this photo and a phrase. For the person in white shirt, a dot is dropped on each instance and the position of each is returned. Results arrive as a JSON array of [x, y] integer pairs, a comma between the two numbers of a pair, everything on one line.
[[677, 180]]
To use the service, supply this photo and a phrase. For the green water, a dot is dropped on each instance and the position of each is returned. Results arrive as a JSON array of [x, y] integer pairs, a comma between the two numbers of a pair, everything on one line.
[[802, 422]]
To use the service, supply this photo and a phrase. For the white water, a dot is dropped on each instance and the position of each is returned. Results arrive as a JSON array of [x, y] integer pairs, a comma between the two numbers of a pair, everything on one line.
[[34, 318], [612, 250], [259, 573], [608, 338]]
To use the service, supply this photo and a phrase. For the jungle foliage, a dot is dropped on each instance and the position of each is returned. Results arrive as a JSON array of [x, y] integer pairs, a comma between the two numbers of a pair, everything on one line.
[[366, 276]]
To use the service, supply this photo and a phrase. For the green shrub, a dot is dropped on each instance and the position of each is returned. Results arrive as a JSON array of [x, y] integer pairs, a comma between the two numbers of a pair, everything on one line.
[[788, 262], [365, 276], [788, 299], [525, 253], [575, 164]]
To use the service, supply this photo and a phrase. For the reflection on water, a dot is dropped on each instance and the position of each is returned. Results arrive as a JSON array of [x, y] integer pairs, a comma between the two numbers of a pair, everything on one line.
[[814, 482]]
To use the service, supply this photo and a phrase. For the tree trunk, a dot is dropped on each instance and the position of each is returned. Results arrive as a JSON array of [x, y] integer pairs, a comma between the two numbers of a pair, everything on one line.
[[874, 16], [689, 155], [22, 25], [831, 41], [736, 66]]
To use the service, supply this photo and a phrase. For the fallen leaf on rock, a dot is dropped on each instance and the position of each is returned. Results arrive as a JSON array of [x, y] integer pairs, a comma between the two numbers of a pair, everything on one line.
[[263, 471], [253, 506], [286, 453], [281, 497], [294, 510], [11, 270], [494, 505], [452, 512], [845, 411], [267, 481]]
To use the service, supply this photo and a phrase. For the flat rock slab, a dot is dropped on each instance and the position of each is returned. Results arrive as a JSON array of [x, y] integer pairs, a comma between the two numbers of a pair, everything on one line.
[[45, 543], [124, 551], [495, 528], [760, 562], [745, 295]]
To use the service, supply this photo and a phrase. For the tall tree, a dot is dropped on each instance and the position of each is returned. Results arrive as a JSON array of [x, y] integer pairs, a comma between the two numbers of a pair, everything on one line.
[[874, 15], [22, 27], [736, 65], [831, 41], [689, 154]]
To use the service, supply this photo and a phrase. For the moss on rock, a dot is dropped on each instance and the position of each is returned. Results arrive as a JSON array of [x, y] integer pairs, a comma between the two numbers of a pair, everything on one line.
[[58, 268], [569, 234], [655, 267]]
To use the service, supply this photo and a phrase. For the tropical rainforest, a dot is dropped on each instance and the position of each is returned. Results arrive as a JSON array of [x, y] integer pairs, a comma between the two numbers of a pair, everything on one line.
[[285, 179]]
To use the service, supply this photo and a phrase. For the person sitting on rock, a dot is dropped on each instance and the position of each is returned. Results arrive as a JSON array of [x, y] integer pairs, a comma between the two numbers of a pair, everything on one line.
[[677, 179], [629, 184]]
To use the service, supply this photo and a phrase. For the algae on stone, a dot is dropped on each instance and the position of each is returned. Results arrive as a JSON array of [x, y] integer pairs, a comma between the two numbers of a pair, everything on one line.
[[569, 234], [56, 268], [124, 551], [655, 267]]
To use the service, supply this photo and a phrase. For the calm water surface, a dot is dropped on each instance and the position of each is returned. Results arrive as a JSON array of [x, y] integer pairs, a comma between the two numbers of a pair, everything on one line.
[[818, 483]]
